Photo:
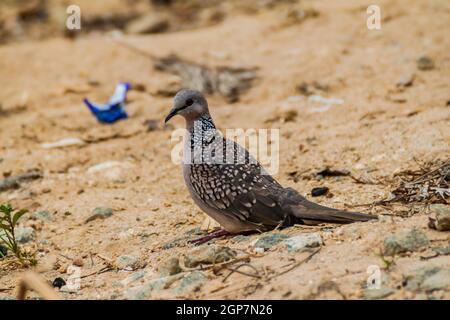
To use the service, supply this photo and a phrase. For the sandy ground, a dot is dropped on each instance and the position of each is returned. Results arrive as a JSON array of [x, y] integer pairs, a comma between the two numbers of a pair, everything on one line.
[[379, 130]]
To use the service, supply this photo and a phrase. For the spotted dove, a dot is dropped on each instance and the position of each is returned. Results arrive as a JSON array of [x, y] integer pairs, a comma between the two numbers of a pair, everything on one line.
[[228, 184]]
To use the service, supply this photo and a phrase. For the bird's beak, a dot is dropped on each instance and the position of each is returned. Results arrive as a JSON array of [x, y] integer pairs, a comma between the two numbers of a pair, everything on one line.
[[172, 113]]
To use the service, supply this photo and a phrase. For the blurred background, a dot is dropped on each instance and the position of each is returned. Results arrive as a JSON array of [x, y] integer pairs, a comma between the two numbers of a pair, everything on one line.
[[359, 110]]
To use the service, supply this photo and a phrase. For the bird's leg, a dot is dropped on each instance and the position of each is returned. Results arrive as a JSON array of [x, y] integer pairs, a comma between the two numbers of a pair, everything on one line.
[[212, 235]]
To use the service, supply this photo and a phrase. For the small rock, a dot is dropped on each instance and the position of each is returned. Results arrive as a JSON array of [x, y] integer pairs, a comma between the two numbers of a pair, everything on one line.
[[43, 216], [441, 221], [208, 255], [170, 267], [148, 24], [145, 291], [174, 243], [114, 171], [14, 182], [240, 238], [78, 262], [267, 241], [438, 281], [415, 281], [151, 124], [127, 262], [303, 241], [100, 213], [374, 294], [412, 240], [25, 234], [135, 277], [191, 282], [406, 80], [425, 63], [58, 283], [442, 251], [319, 191], [68, 142]]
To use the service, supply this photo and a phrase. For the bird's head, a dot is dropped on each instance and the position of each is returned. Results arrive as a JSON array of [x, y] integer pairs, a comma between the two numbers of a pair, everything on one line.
[[190, 104]]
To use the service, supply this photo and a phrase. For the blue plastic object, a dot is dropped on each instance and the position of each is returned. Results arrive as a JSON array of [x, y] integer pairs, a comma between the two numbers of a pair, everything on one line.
[[114, 109]]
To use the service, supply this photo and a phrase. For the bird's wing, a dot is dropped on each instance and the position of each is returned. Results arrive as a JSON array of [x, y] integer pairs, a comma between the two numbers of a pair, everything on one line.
[[240, 190]]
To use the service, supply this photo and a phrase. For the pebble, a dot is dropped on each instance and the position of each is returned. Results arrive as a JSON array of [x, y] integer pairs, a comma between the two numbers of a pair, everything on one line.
[[25, 234], [406, 80], [374, 294], [78, 262], [319, 191], [170, 267], [100, 213], [43, 216], [68, 142], [58, 283], [135, 277], [441, 221], [425, 63], [443, 251], [303, 241], [114, 171], [438, 281], [191, 282], [208, 255], [411, 240], [269, 240], [145, 291], [428, 278], [127, 262]]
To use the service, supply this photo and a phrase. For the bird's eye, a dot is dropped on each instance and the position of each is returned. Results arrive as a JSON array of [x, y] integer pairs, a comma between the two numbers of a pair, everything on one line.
[[189, 102]]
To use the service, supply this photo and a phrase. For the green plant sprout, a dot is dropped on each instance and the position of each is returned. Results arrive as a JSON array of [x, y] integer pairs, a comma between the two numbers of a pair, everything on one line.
[[9, 218]]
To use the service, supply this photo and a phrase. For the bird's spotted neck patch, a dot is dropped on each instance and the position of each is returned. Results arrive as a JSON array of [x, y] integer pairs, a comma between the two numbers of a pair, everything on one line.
[[203, 132]]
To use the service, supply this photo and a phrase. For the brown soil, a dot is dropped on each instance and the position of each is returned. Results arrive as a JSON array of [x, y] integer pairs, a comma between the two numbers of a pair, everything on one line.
[[379, 130]]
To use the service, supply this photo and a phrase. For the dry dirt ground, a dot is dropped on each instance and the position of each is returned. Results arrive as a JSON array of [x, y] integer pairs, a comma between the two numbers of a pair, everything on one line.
[[380, 129]]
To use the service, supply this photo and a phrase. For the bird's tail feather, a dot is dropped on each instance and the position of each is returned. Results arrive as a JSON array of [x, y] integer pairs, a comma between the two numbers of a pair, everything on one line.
[[311, 213]]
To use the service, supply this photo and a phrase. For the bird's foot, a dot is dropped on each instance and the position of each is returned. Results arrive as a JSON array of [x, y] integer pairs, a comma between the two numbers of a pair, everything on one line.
[[212, 235]]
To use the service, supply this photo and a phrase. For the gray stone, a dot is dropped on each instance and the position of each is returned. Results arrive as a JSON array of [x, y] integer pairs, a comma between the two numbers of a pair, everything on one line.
[[412, 240], [100, 213], [175, 243], [442, 251], [406, 80], [130, 279], [25, 234], [191, 282], [269, 240], [240, 238], [145, 291], [374, 294], [43, 216], [425, 63], [437, 281], [7, 298], [442, 220], [415, 280], [210, 254], [127, 262], [303, 241], [170, 267]]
